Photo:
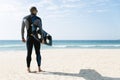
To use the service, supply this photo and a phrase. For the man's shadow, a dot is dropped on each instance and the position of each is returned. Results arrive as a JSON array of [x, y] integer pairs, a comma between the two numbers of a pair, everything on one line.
[[87, 74]]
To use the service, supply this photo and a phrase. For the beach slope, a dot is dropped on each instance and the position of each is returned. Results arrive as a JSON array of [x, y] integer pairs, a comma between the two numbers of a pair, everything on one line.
[[63, 64]]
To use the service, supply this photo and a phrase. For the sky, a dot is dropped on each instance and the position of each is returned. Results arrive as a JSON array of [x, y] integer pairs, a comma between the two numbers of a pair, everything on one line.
[[64, 19]]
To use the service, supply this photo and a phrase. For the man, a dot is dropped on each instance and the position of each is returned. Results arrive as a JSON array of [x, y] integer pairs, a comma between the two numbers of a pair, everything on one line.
[[32, 22]]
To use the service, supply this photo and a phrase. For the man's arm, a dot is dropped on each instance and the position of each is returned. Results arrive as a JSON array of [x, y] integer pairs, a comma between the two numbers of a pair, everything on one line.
[[39, 24], [40, 27], [22, 30]]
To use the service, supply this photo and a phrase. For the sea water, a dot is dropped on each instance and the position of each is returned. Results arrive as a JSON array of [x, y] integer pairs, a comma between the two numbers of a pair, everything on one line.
[[6, 45]]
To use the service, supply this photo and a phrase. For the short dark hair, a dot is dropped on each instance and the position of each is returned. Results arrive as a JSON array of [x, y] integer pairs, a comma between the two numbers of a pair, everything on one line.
[[33, 8]]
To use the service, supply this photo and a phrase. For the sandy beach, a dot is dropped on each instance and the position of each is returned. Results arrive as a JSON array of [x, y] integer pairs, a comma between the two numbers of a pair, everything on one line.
[[63, 64]]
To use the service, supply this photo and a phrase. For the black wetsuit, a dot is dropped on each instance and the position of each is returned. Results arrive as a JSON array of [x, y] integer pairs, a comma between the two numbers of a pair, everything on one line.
[[29, 22]]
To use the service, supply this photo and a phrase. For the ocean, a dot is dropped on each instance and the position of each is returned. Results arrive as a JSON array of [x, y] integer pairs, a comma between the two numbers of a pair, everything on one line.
[[14, 45]]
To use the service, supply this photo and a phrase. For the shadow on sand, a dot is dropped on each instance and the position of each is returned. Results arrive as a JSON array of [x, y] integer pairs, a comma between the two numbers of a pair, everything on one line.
[[87, 74]]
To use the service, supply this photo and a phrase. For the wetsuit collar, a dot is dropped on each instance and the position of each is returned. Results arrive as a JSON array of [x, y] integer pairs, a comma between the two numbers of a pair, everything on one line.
[[33, 14]]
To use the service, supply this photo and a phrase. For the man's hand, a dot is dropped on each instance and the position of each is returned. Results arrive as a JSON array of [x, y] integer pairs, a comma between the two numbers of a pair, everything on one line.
[[43, 41], [23, 40]]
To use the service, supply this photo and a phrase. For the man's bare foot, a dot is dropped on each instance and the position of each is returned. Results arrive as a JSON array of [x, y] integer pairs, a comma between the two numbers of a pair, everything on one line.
[[29, 70], [40, 70]]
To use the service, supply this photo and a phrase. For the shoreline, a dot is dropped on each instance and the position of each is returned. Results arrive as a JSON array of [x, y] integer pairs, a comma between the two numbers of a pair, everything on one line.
[[64, 49]]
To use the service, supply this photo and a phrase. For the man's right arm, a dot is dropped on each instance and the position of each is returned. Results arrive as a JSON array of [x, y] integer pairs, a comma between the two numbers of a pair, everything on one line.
[[22, 30]]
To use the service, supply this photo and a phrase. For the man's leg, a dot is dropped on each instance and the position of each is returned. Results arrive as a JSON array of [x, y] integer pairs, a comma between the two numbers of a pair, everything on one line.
[[29, 52], [38, 55]]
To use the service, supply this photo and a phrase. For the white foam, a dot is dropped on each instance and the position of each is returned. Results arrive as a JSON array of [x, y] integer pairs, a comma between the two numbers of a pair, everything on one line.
[[16, 45], [84, 46]]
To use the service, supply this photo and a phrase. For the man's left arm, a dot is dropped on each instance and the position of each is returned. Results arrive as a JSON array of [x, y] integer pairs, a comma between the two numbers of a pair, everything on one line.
[[40, 27]]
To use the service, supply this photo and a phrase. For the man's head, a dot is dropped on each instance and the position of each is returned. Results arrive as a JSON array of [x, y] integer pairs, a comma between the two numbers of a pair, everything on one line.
[[33, 10]]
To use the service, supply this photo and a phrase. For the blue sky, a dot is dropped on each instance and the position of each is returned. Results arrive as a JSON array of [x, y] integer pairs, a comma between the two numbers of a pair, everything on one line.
[[64, 19]]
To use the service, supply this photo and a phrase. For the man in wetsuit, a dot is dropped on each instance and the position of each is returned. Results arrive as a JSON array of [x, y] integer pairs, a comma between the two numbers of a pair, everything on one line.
[[32, 21]]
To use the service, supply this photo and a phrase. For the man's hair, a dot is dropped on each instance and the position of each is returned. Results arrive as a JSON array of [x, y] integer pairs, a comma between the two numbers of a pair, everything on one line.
[[33, 8]]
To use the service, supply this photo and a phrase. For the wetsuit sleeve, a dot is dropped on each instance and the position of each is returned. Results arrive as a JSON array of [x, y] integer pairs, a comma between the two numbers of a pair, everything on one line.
[[40, 27], [22, 29]]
